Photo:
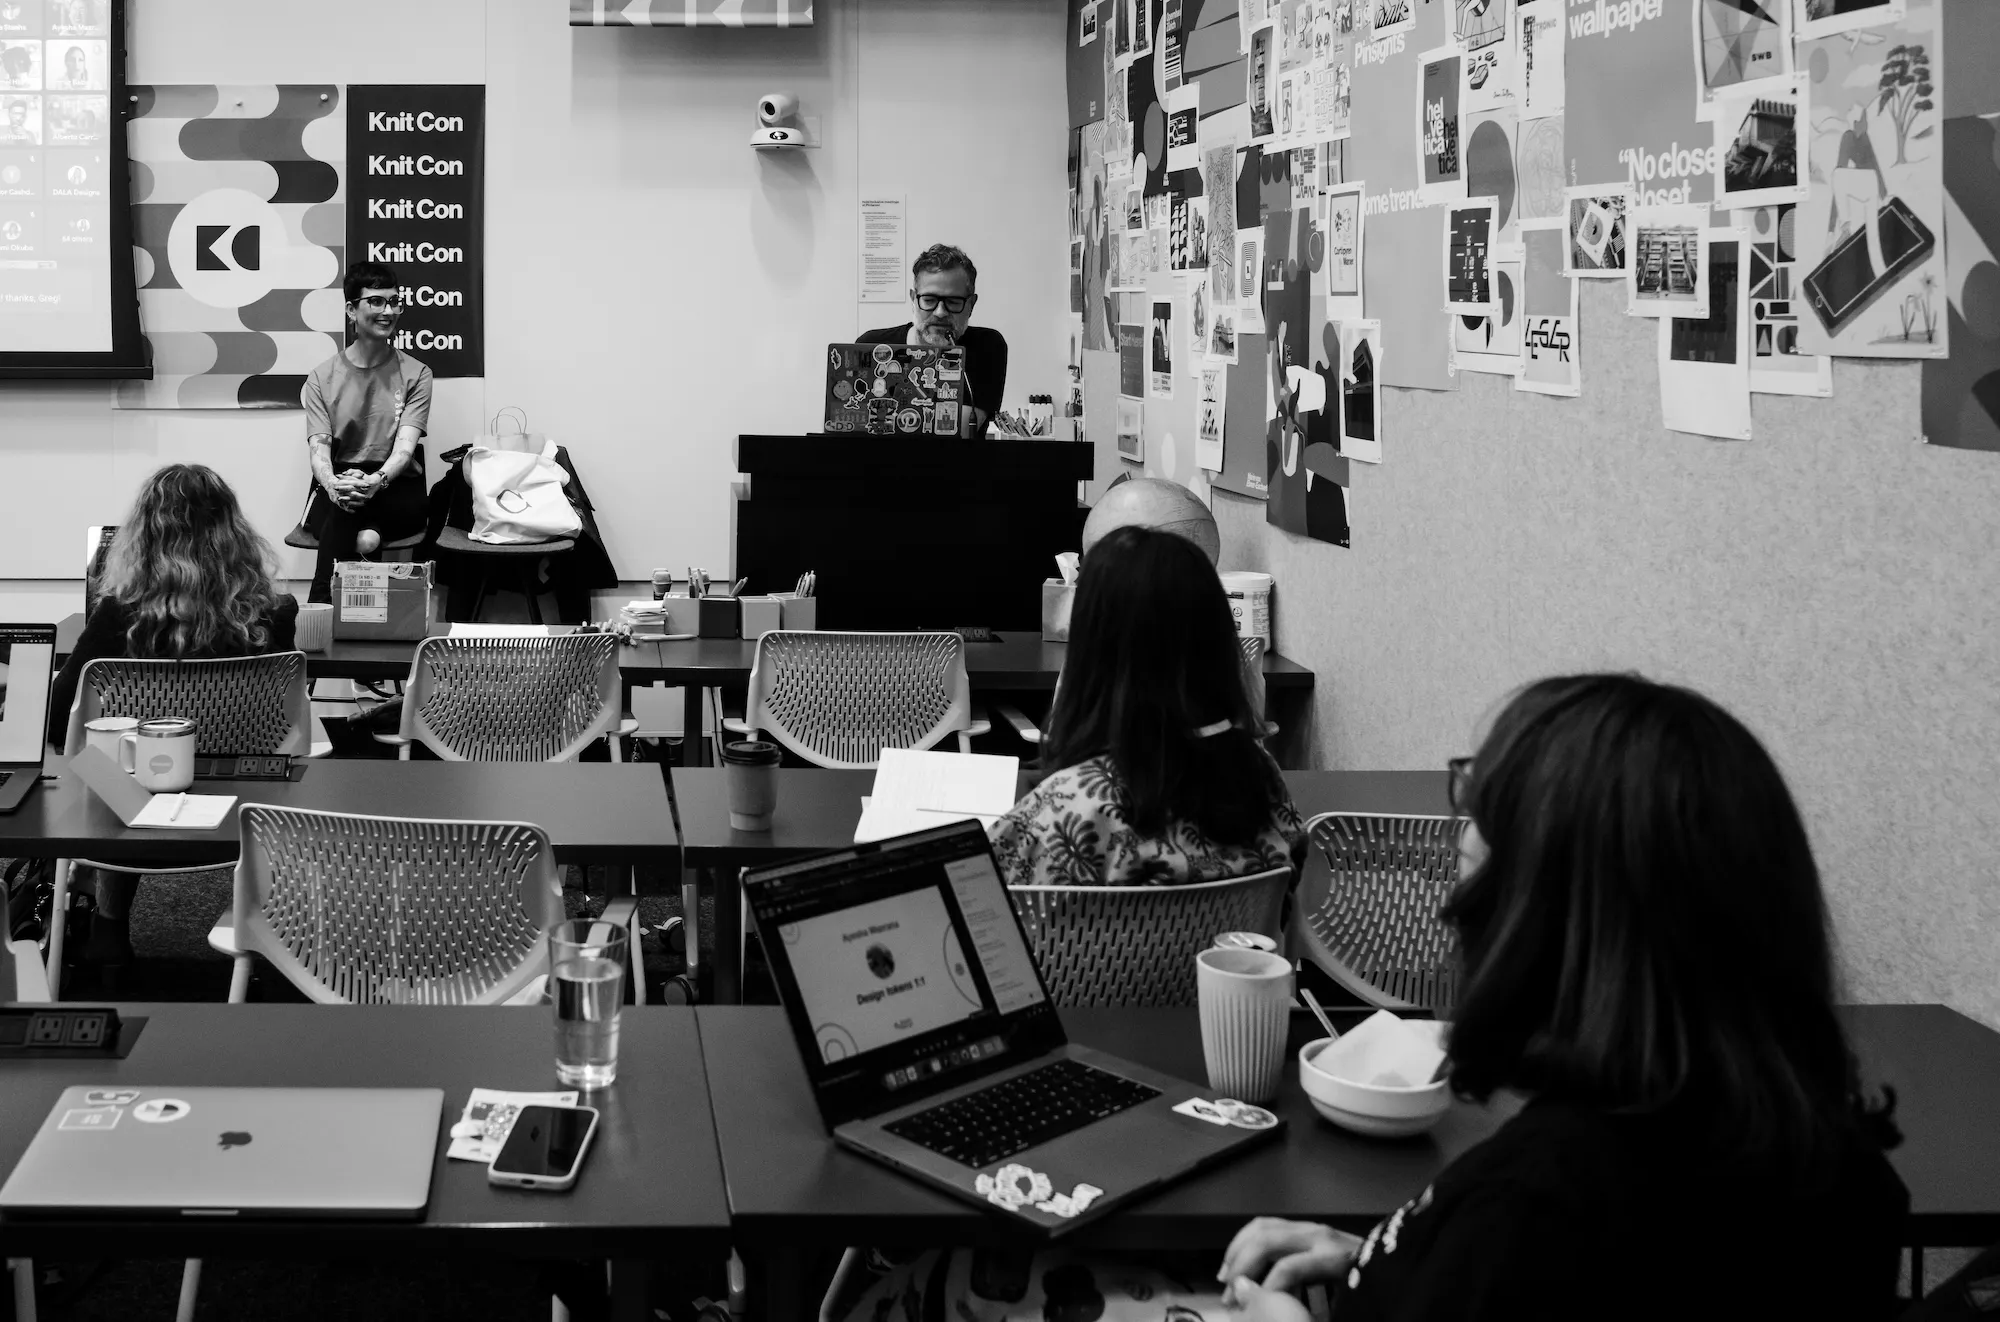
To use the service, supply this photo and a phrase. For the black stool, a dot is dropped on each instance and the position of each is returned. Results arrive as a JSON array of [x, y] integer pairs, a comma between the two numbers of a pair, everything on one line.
[[520, 561]]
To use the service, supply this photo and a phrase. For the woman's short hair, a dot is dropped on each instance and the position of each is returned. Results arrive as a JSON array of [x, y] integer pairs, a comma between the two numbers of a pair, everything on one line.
[[1646, 931], [368, 275], [942, 257], [1153, 660], [189, 569]]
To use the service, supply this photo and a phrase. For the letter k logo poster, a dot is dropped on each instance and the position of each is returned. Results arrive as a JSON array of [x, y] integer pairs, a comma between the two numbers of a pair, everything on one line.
[[1629, 70]]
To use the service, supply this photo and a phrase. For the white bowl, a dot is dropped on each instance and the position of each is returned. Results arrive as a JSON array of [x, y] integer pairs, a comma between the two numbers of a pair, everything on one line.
[[1364, 1108]]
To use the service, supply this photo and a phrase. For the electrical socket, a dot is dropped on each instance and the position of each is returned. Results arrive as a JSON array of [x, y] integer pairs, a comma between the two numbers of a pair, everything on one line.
[[86, 1029], [47, 1030]]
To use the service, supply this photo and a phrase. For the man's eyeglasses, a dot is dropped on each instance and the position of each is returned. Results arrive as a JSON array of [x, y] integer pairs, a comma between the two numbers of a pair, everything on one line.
[[952, 303], [1458, 788], [377, 303]]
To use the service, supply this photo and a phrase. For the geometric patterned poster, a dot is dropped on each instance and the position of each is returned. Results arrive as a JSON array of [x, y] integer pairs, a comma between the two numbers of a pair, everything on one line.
[[238, 229]]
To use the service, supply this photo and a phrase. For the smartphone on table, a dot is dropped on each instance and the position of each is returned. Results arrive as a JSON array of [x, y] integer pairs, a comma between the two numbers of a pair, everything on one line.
[[546, 1147]]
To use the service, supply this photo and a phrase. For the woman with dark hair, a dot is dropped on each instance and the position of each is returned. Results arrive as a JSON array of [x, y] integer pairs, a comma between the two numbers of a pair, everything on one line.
[[187, 578], [1645, 956], [1155, 772]]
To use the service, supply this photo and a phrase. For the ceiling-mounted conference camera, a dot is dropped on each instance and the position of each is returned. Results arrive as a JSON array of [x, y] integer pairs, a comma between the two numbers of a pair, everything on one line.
[[778, 122]]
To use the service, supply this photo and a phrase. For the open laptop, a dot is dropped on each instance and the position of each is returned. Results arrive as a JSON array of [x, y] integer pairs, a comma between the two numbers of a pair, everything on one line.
[[894, 389], [224, 1152], [931, 1043], [27, 664]]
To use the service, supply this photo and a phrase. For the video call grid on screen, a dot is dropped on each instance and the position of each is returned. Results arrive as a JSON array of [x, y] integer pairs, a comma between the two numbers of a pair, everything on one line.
[[878, 955], [56, 158]]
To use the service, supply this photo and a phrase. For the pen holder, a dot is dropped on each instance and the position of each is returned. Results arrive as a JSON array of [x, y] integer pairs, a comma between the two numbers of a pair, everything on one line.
[[719, 617], [761, 615], [797, 612], [683, 614], [1058, 598]]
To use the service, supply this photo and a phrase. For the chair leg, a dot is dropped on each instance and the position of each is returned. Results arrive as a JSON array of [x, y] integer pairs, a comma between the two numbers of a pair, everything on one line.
[[190, 1286], [479, 593], [58, 928], [691, 923], [239, 980], [403, 752], [528, 590], [23, 1270]]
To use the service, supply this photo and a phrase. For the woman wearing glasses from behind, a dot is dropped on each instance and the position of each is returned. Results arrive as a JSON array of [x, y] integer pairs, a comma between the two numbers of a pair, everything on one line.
[[366, 409], [943, 292], [1646, 959]]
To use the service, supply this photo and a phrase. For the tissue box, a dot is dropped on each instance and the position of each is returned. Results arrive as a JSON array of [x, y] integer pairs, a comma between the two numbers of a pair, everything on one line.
[[719, 617], [1057, 599], [761, 615], [382, 601], [797, 612]]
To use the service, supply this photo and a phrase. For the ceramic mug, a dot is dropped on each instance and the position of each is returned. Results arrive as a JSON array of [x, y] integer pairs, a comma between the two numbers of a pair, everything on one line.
[[106, 732], [161, 756]]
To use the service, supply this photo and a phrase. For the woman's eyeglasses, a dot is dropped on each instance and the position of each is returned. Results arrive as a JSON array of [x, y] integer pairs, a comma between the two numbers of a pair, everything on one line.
[[377, 303], [952, 303], [1458, 788]]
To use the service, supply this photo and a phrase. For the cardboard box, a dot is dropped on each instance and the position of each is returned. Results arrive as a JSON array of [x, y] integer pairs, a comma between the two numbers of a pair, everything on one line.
[[382, 601], [761, 615], [721, 617]]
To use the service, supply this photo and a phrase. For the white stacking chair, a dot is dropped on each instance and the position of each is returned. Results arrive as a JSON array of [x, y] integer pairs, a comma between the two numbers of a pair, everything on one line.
[[1135, 945], [839, 699], [1368, 906], [513, 699], [243, 704]]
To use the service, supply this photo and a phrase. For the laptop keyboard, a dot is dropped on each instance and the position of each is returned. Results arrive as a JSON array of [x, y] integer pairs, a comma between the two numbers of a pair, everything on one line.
[[1015, 1114]]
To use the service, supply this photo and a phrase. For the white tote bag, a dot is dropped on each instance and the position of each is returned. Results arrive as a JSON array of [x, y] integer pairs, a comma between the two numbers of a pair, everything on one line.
[[518, 498]]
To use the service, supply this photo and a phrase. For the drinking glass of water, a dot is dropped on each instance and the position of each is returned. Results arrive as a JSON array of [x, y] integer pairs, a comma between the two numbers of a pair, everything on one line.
[[587, 981]]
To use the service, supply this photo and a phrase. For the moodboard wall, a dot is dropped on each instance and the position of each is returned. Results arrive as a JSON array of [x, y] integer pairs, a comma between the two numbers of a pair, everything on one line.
[[1834, 582], [653, 286]]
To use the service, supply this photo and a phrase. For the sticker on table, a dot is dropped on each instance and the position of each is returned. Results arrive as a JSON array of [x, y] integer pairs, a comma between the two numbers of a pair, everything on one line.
[[94, 1117], [1245, 1116], [161, 1110], [111, 1097]]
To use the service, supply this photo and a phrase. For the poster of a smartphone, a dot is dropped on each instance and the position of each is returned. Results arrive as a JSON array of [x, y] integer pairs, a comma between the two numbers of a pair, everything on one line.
[[1845, 282]]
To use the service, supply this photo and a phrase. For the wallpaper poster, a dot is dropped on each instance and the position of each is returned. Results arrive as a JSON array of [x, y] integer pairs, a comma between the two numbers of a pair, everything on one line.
[[238, 230], [1823, 18], [1218, 185], [1539, 26], [1131, 439], [1263, 84], [1084, 72], [1491, 68], [1961, 395], [1629, 85], [1492, 343], [1440, 165], [1777, 366], [1101, 250], [1361, 390], [1160, 351], [1401, 273], [1490, 169], [1665, 275], [1213, 403], [1343, 206], [419, 204], [1739, 47], [1756, 144], [1597, 219], [1132, 362], [1468, 258], [1222, 335], [1871, 231], [1549, 360], [1539, 168], [1705, 363]]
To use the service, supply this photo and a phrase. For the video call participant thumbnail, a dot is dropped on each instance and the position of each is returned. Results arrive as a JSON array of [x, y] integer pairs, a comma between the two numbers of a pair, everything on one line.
[[943, 292]]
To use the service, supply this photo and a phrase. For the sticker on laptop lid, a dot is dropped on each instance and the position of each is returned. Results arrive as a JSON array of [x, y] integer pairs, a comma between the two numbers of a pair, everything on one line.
[[1202, 1109], [1243, 1115], [161, 1110], [111, 1097], [93, 1117], [1018, 1189]]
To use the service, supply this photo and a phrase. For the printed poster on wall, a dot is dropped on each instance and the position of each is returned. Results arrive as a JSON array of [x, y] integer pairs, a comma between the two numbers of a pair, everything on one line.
[[1961, 394], [1550, 364], [1361, 390], [1871, 231], [1441, 167], [239, 231], [1629, 82], [1705, 362], [1739, 47], [1539, 27]]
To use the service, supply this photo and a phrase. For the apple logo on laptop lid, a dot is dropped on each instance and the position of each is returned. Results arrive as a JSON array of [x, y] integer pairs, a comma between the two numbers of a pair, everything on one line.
[[233, 1138]]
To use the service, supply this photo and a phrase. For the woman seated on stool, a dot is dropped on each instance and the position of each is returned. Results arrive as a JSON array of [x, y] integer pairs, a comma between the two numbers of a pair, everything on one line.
[[1156, 773], [1645, 956], [187, 578]]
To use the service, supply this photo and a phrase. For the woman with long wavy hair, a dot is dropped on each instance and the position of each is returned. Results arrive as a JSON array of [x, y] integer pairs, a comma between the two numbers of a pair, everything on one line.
[[187, 578]]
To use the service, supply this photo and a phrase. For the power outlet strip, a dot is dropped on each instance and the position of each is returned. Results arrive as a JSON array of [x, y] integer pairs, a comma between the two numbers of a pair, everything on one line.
[[82, 1030]]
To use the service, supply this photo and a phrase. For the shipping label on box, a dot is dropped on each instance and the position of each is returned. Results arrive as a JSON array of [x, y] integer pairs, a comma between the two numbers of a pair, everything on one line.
[[381, 601]]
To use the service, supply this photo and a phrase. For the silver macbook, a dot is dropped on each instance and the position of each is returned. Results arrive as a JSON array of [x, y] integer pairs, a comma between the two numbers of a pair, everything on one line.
[[932, 1045], [225, 1152], [27, 662]]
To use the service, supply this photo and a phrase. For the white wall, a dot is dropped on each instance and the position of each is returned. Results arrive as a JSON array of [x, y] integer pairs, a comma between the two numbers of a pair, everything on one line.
[[653, 286]]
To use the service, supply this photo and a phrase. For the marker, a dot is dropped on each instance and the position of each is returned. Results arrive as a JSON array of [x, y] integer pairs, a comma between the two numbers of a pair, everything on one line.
[[178, 805]]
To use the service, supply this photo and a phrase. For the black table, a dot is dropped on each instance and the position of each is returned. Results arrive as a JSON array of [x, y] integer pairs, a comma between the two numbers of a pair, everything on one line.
[[594, 812], [1012, 663], [819, 810], [792, 1190], [651, 1186]]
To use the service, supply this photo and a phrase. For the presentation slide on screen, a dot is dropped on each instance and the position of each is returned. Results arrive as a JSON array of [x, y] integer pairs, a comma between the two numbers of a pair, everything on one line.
[[55, 176], [879, 972]]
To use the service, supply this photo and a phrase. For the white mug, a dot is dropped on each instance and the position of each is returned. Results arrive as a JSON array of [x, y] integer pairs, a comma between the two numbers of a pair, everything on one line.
[[104, 733], [161, 756]]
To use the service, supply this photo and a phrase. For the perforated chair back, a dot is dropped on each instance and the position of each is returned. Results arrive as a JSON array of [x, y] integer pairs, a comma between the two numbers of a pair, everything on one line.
[[839, 699], [392, 910], [1369, 902], [527, 699], [1135, 945], [239, 704]]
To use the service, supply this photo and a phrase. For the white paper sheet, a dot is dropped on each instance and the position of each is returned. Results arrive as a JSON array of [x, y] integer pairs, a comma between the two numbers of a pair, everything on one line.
[[882, 231], [1705, 363], [1667, 268], [915, 791]]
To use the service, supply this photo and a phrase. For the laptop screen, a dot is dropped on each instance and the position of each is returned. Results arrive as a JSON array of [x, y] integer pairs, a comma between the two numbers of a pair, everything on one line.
[[27, 661], [903, 967]]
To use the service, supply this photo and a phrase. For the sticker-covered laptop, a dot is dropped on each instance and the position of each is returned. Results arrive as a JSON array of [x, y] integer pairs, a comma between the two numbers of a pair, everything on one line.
[[931, 1043], [894, 389]]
